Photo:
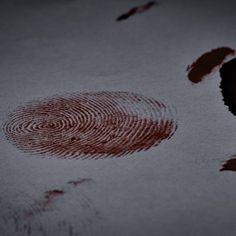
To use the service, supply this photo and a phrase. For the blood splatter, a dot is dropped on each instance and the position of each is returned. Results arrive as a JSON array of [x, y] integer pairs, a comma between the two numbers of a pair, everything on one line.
[[205, 64], [90, 125], [136, 10], [229, 165], [228, 84]]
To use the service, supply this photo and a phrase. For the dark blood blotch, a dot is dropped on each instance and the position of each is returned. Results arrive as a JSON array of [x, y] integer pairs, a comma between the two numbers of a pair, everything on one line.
[[228, 84], [229, 165], [205, 64]]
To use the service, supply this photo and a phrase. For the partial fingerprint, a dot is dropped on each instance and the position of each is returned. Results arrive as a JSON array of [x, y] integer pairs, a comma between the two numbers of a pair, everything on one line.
[[90, 125]]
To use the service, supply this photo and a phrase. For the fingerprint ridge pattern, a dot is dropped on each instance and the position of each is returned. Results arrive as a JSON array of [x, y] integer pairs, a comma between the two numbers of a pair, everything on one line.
[[90, 125]]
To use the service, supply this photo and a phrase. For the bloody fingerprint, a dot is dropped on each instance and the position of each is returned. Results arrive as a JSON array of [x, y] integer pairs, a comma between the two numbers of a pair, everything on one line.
[[206, 63], [90, 125], [136, 10], [229, 165], [228, 84]]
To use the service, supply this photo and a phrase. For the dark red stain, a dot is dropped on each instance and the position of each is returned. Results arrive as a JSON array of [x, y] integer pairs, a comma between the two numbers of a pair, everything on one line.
[[90, 125], [229, 165], [205, 64], [228, 84], [136, 10], [75, 183]]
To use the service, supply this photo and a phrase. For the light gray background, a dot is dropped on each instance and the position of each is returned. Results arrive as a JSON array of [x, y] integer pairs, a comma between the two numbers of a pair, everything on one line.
[[57, 47]]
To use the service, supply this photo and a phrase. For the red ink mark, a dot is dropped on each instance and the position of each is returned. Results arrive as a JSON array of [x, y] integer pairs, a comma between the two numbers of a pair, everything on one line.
[[136, 10], [75, 183], [229, 165], [90, 125], [205, 64]]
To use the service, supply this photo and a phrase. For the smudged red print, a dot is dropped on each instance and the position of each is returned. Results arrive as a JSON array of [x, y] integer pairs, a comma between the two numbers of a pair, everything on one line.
[[136, 10], [90, 125], [206, 63], [229, 165]]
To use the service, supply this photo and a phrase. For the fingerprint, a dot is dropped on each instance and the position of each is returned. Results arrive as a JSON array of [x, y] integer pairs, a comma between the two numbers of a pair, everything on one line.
[[90, 125], [206, 63]]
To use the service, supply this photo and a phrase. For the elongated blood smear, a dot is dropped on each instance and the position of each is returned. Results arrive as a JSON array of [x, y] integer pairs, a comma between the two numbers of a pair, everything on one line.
[[136, 10], [90, 125], [205, 64]]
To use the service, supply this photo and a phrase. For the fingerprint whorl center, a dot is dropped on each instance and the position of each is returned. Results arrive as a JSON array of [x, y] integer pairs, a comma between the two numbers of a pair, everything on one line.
[[90, 125]]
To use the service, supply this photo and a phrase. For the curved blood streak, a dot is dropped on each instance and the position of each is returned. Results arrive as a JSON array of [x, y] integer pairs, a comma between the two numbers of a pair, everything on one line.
[[206, 63]]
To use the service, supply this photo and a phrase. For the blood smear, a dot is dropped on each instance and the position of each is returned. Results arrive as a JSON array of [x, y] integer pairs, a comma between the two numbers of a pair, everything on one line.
[[136, 10], [205, 64], [90, 125]]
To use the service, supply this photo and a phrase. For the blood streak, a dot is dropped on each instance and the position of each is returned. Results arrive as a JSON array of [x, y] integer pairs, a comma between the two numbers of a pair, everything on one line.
[[136, 10], [90, 125], [206, 63]]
